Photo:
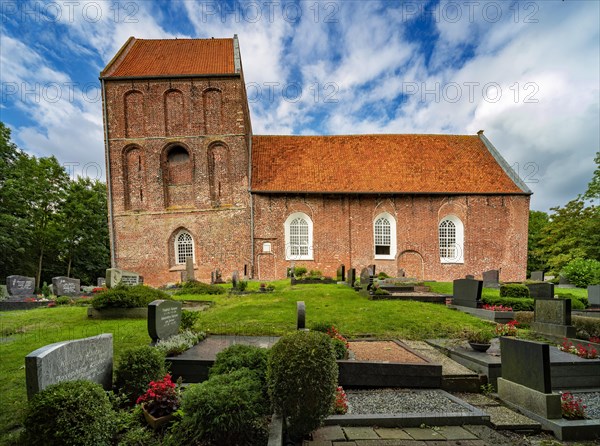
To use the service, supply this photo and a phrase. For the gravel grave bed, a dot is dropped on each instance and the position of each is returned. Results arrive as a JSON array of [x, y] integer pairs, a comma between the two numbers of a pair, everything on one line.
[[399, 401], [592, 402], [385, 351]]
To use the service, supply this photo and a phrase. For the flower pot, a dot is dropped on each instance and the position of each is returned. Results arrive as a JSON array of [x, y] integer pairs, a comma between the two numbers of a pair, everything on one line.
[[156, 423], [479, 347]]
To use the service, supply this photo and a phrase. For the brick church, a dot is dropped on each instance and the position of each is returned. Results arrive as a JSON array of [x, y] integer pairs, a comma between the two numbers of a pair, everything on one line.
[[188, 178]]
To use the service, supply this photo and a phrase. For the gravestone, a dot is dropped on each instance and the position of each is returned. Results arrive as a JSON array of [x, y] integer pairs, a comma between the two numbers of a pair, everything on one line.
[[300, 315], [235, 278], [372, 269], [537, 276], [491, 278], [470, 277], [563, 282], [401, 272], [114, 276], [89, 359], [215, 277], [467, 293], [526, 380], [101, 281], [553, 318], [164, 318], [543, 290], [351, 276], [594, 296], [189, 269], [66, 286], [20, 286], [366, 279], [341, 273]]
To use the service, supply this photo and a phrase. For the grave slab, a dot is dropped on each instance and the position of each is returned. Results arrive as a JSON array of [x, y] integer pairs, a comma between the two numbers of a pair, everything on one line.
[[546, 405], [537, 276], [543, 290], [164, 318], [66, 286], [467, 292], [20, 286], [594, 296], [502, 418], [526, 363], [329, 433], [360, 433], [390, 433], [115, 276]]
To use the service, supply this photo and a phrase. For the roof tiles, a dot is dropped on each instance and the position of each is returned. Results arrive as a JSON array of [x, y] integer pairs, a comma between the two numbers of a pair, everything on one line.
[[174, 57], [377, 164]]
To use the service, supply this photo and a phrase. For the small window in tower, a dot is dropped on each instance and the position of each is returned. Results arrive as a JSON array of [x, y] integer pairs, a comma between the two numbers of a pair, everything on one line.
[[178, 155], [266, 247]]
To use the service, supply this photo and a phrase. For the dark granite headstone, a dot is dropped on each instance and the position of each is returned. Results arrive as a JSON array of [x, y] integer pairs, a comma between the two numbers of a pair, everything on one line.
[[115, 276], [300, 315], [491, 278], [341, 273], [470, 277], [594, 296], [526, 363], [101, 281], [89, 359], [164, 317], [538, 276], [543, 290], [189, 269], [351, 276], [66, 286], [235, 278], [555, 311], [20, 286], [467, 292]]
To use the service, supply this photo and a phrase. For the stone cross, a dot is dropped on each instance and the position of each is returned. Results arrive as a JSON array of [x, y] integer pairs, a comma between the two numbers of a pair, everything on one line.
[[189, 269]]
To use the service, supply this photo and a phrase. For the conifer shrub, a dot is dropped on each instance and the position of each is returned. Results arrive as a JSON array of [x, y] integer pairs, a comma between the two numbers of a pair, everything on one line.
[[195, 287], [228, 409], [136, 368], [238, 357], [514, 290], [302, 379], [70, 413]]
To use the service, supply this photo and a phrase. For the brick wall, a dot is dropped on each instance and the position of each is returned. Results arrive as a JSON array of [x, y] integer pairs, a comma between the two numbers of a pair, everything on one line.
[[495, 234]]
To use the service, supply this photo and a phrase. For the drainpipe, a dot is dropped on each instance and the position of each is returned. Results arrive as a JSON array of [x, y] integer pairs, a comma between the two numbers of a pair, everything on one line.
[[111, 224], [251, 206]]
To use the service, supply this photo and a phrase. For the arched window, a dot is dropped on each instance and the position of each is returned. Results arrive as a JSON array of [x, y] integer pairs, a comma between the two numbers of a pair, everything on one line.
[[298, 237], [451, 237], [384, 236], [184, 247]]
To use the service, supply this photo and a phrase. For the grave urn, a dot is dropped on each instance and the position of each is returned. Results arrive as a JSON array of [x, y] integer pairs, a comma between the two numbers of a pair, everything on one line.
[[479, 347]]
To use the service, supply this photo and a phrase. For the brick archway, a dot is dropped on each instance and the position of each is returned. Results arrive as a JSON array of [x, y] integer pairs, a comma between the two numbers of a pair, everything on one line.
[[412, 263]]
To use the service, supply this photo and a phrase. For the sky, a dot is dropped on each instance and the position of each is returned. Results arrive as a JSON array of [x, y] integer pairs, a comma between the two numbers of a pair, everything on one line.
[[526, 72]]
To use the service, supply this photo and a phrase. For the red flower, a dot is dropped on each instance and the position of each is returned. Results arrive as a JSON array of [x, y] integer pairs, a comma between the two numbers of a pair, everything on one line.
[[161, 398]]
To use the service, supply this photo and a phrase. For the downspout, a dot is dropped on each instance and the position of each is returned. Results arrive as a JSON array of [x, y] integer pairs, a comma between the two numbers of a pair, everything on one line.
[[251, 206], [111, 224]]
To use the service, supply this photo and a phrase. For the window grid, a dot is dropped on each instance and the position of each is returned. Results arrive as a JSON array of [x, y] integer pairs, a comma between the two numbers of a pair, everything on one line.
[[184, 247], [383, 236], [447, 232], [299, 237]]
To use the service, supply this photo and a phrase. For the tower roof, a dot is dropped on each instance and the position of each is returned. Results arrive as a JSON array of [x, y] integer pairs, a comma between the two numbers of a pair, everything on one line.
[[174, 58]]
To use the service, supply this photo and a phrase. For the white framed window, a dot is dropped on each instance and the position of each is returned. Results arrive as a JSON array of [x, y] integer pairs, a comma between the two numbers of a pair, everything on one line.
[[184, 247], [384, 236], [451, 239], [298, 237]]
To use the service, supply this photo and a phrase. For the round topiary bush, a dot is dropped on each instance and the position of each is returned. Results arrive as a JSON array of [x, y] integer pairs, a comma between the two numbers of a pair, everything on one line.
[[240, 356], [128, 297], [227, 409], [136, 368], [514, 290], [302, 377], [582, 272], [70, 413]]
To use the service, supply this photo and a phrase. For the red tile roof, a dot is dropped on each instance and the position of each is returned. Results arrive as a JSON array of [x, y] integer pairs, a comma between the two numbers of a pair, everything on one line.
[[377, 164], [172, 57]]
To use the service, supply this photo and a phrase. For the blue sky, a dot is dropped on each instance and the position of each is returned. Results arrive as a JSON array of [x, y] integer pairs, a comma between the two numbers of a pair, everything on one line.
[[526, 72]]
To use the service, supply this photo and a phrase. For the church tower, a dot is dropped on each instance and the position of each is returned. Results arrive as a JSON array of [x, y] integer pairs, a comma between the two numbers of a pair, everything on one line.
[[177, 137]]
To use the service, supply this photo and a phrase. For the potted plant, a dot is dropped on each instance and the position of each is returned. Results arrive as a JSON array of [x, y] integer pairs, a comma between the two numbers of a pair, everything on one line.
[[160, 402], [479, 340]]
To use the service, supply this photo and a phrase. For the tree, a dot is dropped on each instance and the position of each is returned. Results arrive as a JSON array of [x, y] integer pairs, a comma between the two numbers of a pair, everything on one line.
[[536, 258], [593, 190]]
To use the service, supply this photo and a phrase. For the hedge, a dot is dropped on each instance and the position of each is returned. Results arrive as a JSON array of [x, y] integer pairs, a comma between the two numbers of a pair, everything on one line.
[[128, 297], [514, 290], [517, 303]]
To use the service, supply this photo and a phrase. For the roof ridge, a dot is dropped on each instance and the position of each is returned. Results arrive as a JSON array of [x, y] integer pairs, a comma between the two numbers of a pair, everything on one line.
[[370, 134]]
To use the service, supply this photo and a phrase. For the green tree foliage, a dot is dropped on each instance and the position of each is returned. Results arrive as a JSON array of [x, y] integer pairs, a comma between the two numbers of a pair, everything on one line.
[[593, 190], [49, 224], [536, 258]]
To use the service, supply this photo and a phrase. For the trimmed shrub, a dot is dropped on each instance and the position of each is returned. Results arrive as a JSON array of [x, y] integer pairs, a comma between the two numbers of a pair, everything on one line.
[[576, 303], [382, 275], [225, 410], [514, 290], [70, 413], [339, 348], [195, 287], [582, 272], [299, 272], [188, 319], [136, 368], [63, 300], [315, 274], [128, 297], [238, 357], [586, 326], [524, 318], [517, 303], [322, 326], [302, 377]]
